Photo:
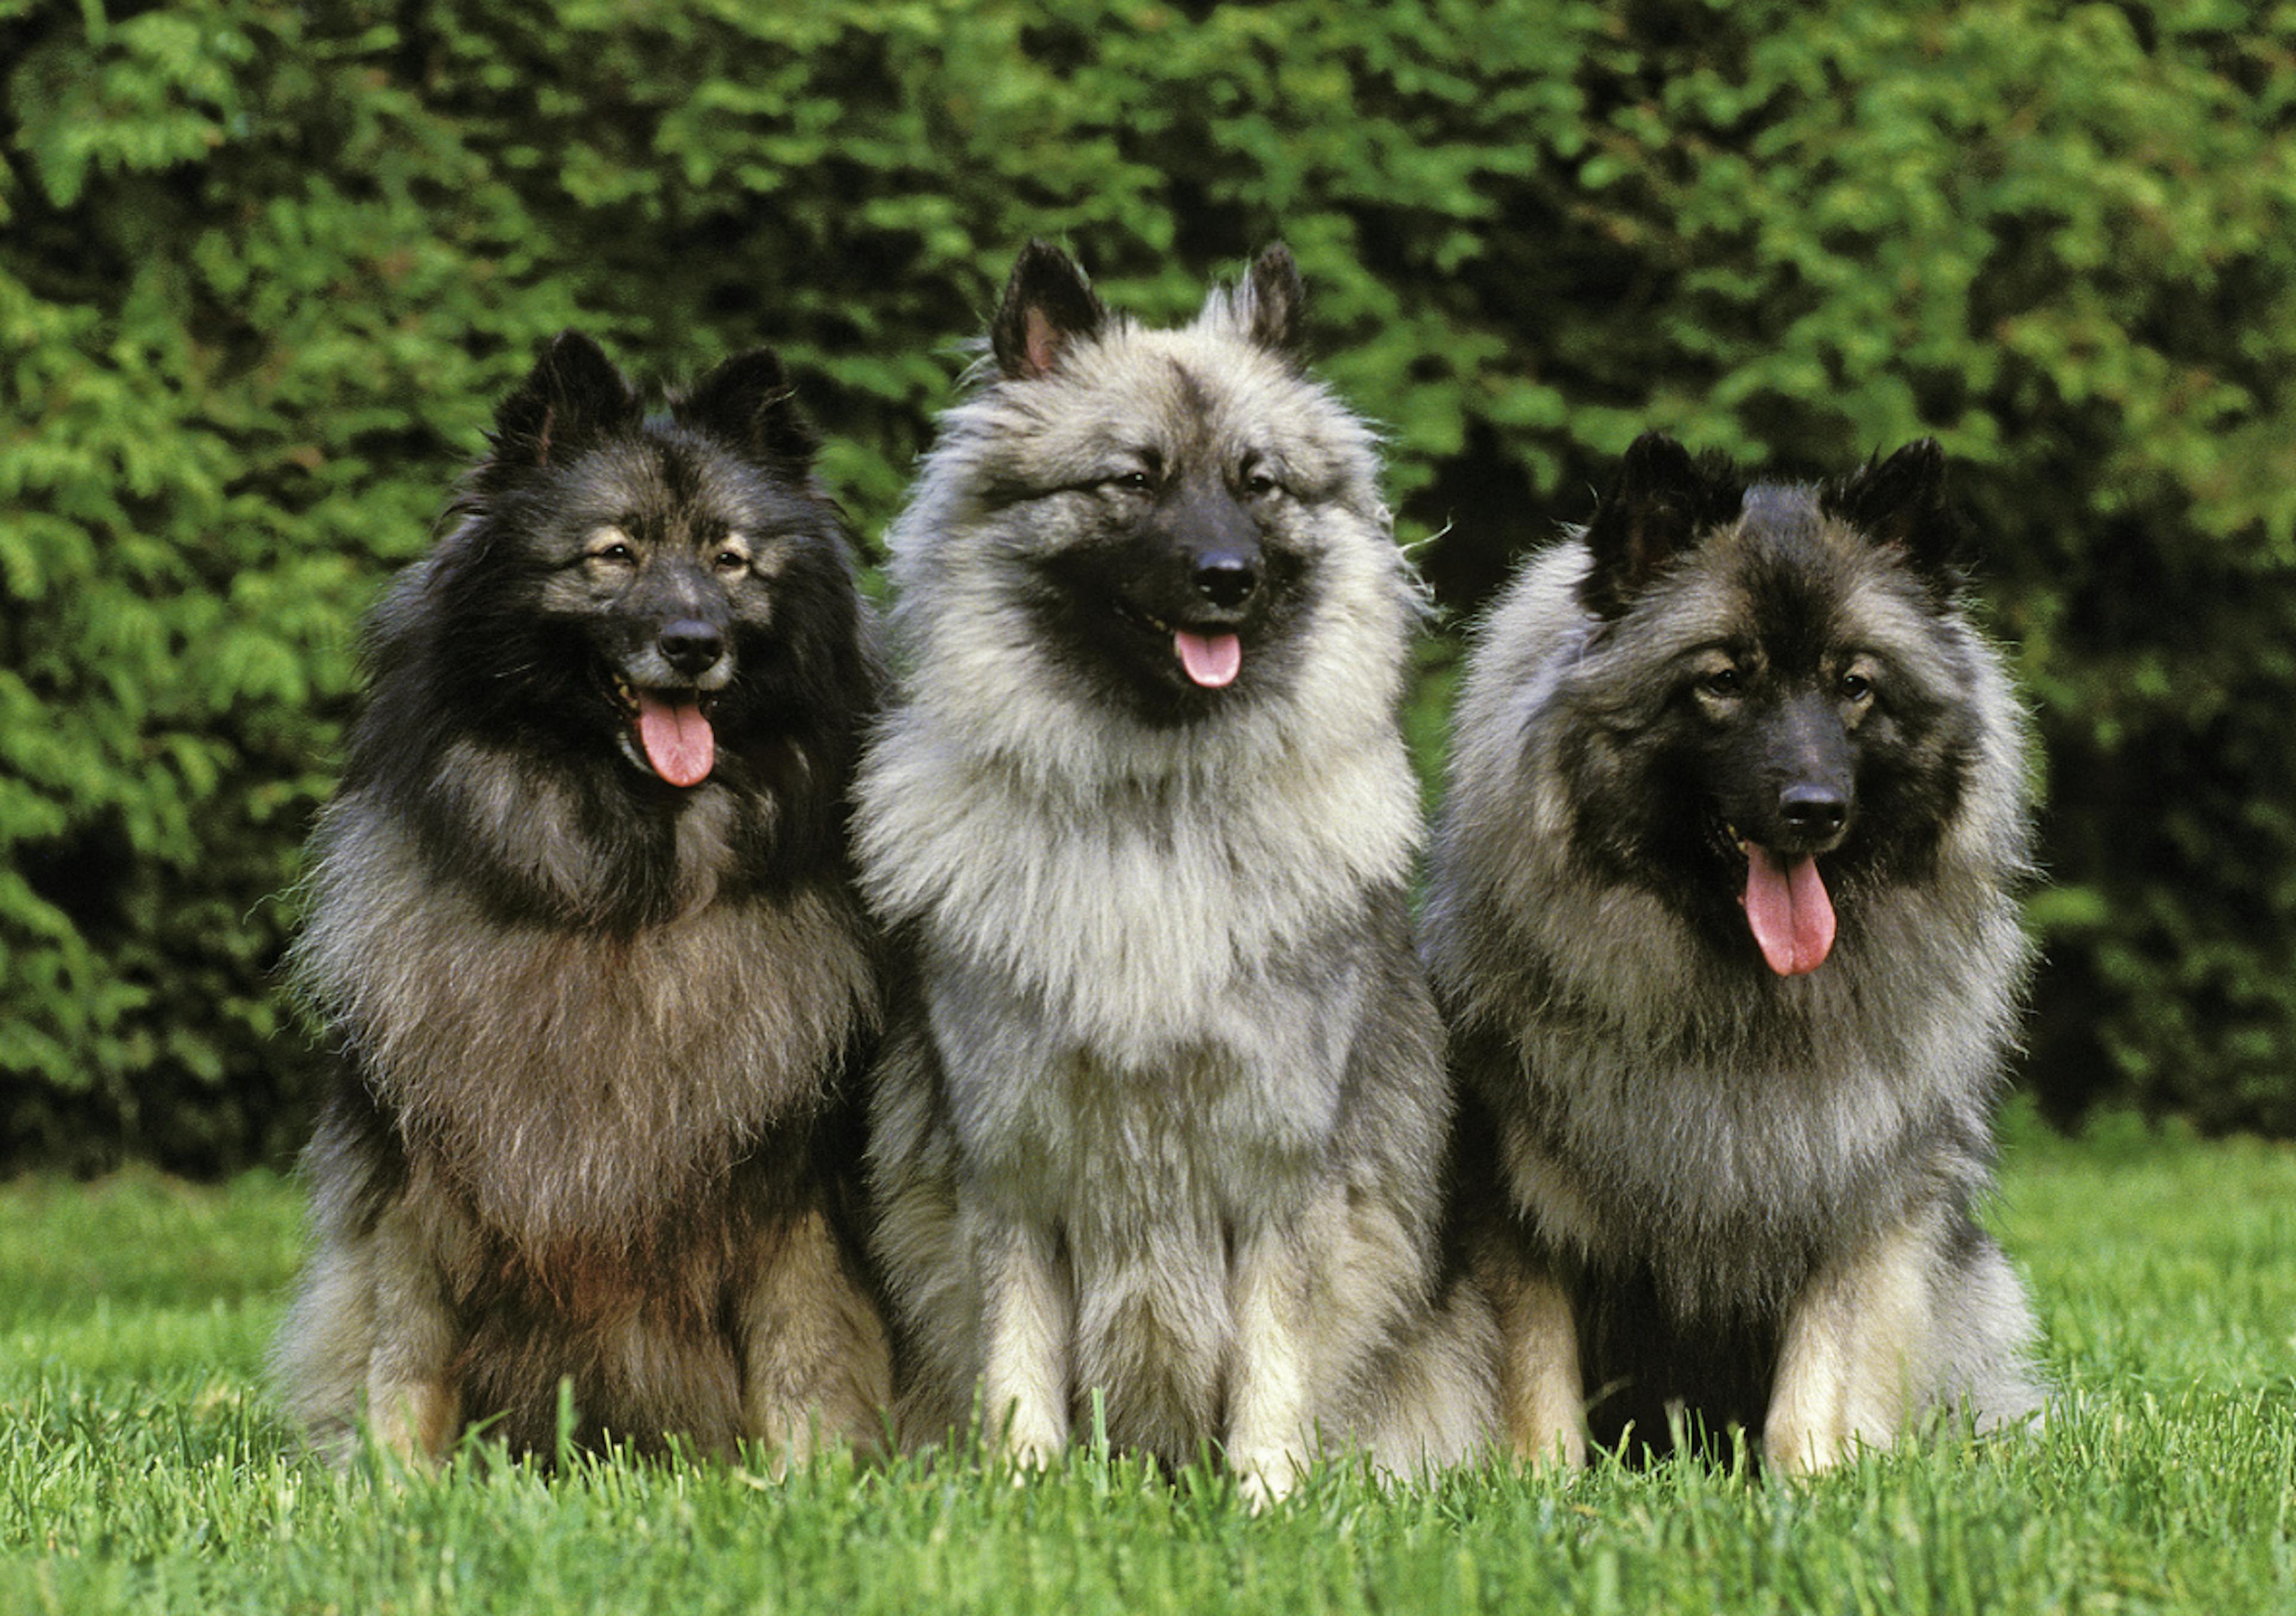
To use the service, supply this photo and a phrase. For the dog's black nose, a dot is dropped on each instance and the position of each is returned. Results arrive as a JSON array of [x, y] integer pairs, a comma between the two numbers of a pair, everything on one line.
[[1814, 811], [692, 646], [1226, 578]]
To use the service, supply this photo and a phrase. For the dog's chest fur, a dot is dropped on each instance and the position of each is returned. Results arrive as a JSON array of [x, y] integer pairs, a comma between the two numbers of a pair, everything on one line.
[[1225, 1116], [1143, 999], [1134, 920], [574, 1084], [1148, 994]]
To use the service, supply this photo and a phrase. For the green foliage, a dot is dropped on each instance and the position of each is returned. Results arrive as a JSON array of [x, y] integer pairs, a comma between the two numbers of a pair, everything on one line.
[[254, 298], [264, 268], [142, 1468]]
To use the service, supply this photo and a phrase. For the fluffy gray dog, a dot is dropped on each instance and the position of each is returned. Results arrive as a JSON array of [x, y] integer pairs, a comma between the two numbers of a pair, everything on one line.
[[1162, 1109], [1722, 911]]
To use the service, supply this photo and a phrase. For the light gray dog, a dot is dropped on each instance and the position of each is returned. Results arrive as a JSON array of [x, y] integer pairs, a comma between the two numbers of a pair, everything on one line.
[[1163, 1108], [1723, 911]]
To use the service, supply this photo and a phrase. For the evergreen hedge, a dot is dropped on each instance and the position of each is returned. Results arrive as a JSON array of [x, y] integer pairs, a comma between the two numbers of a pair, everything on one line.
[[265, 266]]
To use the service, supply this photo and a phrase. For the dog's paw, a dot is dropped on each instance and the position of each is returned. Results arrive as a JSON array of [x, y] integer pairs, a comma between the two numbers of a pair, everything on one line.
[[1555, 1449], [1799, 1450], [1029, 1454], [1267, 1477]]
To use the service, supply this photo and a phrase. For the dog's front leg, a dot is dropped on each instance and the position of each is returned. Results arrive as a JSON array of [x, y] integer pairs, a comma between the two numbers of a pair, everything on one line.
[[1029, 1333], [1271, 1426], [412, 1403], [1542, 1397], [1854, 1340], [816, 1366]]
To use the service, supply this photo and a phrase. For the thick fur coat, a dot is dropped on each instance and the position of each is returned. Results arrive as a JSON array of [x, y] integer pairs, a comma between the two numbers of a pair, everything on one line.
[[1723, 911], [1161, 1112], [581, 922]]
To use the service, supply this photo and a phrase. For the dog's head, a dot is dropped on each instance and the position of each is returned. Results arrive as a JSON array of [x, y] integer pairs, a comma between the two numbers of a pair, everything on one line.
[[1179, 570], [669, 585], [1794, 652], [1167, 509]]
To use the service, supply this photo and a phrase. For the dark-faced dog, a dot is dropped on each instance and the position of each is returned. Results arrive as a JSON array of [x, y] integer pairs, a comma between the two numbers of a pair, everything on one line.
[[1722, 912], [580, 925]]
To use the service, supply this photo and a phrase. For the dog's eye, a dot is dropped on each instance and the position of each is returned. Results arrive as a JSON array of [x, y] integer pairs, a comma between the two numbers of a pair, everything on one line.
[[1856, 689], [729, 561], [1131, 482], [615, 554], [1257, 483], [1724, 683]]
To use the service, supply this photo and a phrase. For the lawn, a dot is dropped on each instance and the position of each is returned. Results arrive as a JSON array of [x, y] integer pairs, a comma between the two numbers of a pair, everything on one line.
[[141, 1468]]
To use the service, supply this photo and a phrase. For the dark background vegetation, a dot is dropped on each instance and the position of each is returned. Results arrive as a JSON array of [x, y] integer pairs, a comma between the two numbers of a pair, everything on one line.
[[264, 266]]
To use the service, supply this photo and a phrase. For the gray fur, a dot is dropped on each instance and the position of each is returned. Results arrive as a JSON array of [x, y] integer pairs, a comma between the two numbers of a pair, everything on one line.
[[481, 1036], [1167, 1071], [1663, 1106]]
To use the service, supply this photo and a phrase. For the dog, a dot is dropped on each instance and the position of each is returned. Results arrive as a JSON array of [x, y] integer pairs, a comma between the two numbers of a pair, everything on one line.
[[582, 923], [1162, 1106], [1722, 912]]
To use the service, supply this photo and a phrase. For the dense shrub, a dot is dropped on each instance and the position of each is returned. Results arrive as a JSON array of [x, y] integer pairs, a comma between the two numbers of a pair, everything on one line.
[[263, 266]]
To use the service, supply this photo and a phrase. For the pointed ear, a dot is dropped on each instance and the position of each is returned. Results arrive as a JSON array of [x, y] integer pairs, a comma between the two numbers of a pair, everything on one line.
[[746, 401], [1048, 305], [1663, 503], [572, 393], [1901, 502], [1271, 299]]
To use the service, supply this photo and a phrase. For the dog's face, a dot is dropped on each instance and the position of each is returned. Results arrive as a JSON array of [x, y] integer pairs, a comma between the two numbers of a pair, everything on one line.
[[1181, 590], [1171, 488], [663, 584], [1794, 734]]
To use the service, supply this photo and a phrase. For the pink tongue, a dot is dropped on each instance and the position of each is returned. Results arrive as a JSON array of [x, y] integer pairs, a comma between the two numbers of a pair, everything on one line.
[[1212, 660], [677, 739], [1791, 916]]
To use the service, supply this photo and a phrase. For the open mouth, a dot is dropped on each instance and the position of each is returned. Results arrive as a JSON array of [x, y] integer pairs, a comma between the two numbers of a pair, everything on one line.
[[1787, 907], [673, 731], [1210, 656]]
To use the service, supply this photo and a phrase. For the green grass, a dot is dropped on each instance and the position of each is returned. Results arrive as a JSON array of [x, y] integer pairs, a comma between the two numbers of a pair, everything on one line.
[[140, 1468]]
